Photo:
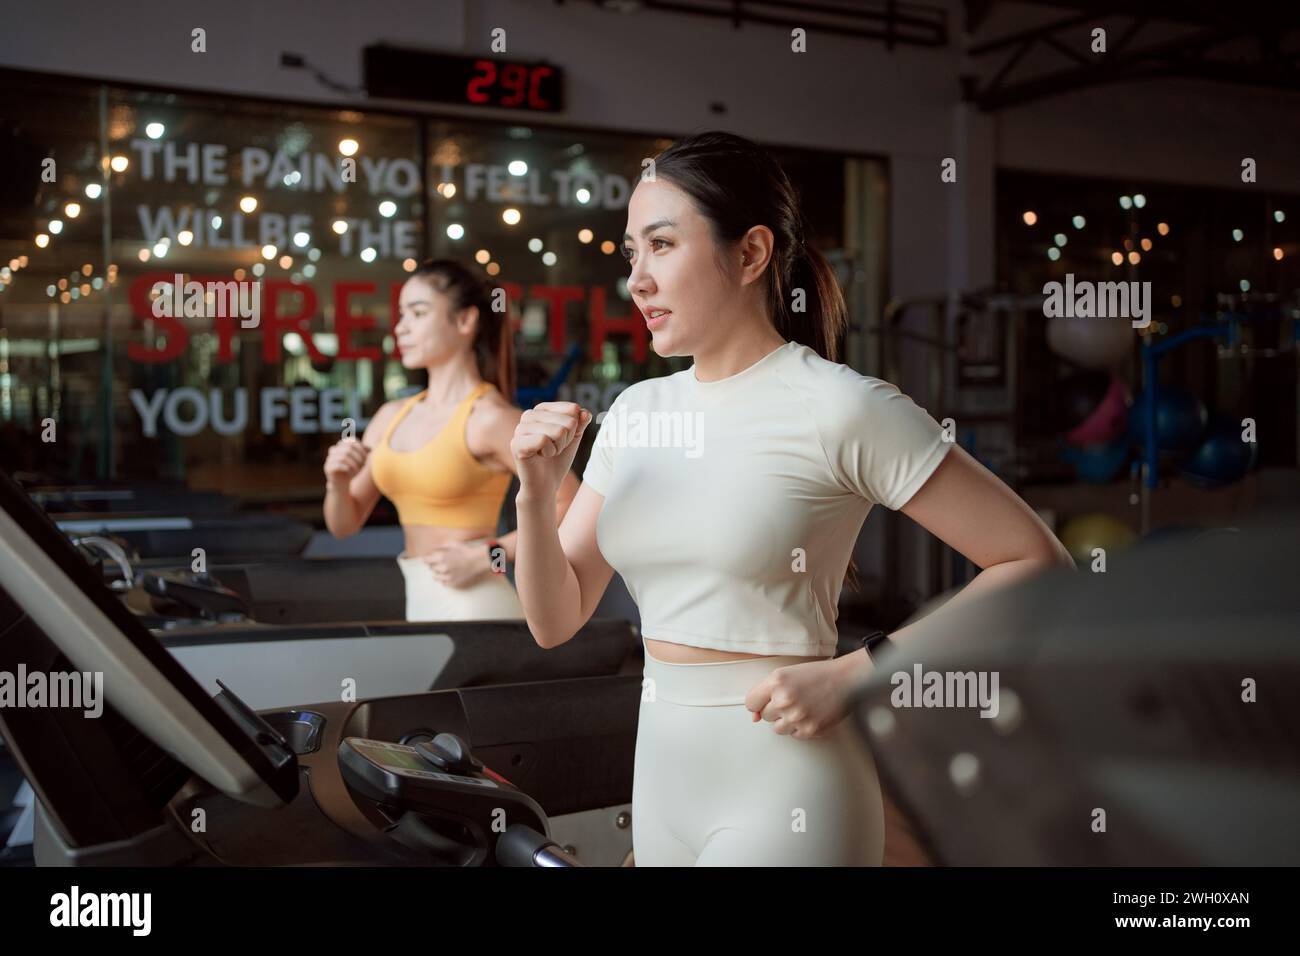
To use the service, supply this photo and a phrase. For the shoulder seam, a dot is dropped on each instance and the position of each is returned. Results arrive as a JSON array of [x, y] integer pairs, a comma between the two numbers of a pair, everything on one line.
[[816, 427]]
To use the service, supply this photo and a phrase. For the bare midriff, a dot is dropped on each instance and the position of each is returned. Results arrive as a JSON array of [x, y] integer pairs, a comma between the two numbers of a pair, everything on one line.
[[685, 654], [422, 539]]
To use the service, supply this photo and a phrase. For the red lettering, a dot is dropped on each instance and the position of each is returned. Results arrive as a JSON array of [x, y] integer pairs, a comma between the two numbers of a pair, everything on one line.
[[177, 336], [345, 323], [601, 325], [557, 295], [274, 325]]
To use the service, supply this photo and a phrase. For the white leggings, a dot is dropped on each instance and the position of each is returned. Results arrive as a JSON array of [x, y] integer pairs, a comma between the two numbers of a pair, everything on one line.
[[489, 598], [713, 788]]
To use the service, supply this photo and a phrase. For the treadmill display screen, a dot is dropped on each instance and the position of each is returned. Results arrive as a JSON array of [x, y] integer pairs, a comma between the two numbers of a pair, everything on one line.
[[397, 759]]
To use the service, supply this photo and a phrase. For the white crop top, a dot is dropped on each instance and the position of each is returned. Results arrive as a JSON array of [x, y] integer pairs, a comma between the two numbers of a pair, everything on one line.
[[732, 507]]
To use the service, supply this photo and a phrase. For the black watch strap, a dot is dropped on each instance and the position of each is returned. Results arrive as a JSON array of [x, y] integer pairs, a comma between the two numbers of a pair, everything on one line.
[[876, 643]]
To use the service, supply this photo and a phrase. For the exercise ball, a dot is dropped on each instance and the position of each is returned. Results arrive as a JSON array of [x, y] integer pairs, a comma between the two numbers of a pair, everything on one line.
[[1221, 458], [1098, 464], [1082, 534], [1180, 419], [1106, 421], [1092, 343]]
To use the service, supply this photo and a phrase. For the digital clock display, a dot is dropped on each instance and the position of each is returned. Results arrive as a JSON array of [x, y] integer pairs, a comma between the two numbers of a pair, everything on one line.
[[396, 73]]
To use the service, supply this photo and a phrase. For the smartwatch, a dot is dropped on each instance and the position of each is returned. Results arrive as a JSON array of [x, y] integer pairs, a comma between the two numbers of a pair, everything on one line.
[[875, 644]]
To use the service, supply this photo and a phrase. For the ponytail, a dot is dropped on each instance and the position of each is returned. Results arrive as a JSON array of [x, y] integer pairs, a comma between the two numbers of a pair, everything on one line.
[[823, 316]]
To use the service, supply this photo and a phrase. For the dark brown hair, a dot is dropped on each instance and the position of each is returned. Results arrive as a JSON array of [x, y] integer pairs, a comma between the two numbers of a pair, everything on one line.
[[735, 184], [493, 336]]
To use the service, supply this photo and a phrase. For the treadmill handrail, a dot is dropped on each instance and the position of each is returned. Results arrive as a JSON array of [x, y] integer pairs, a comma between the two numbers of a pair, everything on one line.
[[97, 633]]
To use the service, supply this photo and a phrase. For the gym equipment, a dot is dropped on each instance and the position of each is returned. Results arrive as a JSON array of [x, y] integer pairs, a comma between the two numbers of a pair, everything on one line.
[[1090, 342], [133, 497], [1097, 464], [119, 790], [1106, 419], [274, 591], [969, 370], [1082, 534], [1222, 457], [1180, 419], [527, 397], [274, 666], [1228, 328], [1124, 692], [222, 537], [337, 619]]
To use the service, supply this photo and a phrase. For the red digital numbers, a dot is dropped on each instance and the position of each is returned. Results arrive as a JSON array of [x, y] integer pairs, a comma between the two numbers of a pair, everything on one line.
[[515, 79], [475, 92], [515, 85], [534, 94]]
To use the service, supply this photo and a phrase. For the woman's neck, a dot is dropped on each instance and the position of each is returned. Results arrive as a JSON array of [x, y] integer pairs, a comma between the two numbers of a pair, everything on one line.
[[736, 353], [451, 380]]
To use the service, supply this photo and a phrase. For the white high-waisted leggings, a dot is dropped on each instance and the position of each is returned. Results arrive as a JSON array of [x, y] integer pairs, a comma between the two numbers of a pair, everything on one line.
[[489, 598], [713, 788]]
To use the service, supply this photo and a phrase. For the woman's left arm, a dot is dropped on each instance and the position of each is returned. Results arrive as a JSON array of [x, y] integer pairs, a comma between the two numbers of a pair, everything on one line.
[[969, 509], [975, 514]]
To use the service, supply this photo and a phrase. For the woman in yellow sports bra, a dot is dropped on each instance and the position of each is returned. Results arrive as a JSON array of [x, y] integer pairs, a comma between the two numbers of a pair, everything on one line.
[[443, 456]]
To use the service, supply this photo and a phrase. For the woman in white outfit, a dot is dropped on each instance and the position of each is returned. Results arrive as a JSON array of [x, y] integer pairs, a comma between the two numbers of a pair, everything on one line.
[[729, 496]]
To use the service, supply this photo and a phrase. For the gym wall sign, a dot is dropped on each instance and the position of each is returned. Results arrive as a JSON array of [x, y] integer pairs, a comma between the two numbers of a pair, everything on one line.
[[288, 307], [308, 171], [166, 336]]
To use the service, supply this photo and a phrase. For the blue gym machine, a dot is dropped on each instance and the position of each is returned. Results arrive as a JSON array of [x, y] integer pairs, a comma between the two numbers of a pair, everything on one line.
[[1227, 328]]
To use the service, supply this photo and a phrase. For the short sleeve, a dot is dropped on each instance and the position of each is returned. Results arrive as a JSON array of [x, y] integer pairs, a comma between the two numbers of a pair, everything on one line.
[[599, 472], [880, 444]]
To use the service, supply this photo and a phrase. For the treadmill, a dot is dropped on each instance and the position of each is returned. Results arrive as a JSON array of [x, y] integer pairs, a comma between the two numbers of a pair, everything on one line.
[[1147, 716], [415, 779]]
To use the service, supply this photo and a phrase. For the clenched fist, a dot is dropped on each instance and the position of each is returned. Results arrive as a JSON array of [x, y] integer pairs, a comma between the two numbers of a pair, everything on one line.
[[344, 461], [545, 443]]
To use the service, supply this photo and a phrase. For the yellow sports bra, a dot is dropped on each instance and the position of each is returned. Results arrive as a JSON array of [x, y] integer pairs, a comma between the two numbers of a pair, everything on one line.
[[440, 483]]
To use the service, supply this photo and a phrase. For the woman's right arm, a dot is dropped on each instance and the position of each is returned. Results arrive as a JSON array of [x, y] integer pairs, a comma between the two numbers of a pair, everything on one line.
[[560, 573], [350, 491]]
